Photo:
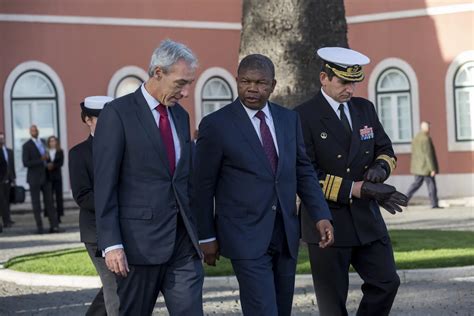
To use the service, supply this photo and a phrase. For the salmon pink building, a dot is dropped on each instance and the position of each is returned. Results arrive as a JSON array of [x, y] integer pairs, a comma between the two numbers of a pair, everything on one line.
[[54, 53]]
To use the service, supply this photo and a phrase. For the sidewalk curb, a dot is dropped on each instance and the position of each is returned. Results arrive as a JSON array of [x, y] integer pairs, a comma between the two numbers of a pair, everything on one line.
[[302, 280]]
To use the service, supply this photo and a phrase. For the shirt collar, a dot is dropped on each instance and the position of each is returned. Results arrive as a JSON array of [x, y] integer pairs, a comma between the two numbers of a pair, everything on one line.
[[251, 113], [150, 100], [333, 103]]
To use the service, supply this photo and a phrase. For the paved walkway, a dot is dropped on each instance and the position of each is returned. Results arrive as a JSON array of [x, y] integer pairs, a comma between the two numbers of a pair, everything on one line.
[[423, 292]]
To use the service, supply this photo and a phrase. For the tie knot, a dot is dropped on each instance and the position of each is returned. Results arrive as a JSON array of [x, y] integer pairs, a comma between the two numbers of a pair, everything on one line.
[[260, 115], [162, 110], [341, 107]]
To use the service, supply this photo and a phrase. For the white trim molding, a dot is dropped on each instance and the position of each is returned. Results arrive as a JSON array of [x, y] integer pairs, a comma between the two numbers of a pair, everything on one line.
[[40, 66], [454, 145], [406, 14], [206, 75], [123, 73], [393, 62], [101, 20]]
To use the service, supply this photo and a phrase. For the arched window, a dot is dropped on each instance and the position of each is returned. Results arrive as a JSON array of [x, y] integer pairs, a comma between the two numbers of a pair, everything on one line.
[[393, 95], [215, 94], [126, 80], [464, 102], [34, 100], [127, 85]]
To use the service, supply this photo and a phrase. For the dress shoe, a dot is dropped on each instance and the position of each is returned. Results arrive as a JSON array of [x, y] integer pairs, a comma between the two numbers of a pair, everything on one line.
[[1, 228], [39, 231], [8, 225], [55, 230], [435, 207]]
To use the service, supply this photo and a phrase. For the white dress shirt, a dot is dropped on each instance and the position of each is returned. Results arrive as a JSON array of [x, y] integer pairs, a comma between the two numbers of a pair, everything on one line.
[[335, 106], [152, 104]]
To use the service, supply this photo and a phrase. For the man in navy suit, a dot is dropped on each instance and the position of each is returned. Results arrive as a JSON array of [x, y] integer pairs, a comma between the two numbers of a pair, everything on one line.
[[142, 164], [251, 161]]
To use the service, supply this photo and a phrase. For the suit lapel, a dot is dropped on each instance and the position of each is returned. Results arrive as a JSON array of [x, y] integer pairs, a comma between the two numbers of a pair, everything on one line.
[[246, 127], [147, 120], [278, 123], [355, 137], [332, 123]]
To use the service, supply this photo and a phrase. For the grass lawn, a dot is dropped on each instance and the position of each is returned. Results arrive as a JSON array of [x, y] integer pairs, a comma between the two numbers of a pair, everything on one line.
[[414, 249]]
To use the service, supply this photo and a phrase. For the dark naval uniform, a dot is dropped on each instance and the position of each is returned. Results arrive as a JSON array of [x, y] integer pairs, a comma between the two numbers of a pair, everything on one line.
[[360, 233]]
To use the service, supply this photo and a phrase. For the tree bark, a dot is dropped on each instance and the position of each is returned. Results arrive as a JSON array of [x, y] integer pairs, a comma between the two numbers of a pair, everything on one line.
[[289, 32]]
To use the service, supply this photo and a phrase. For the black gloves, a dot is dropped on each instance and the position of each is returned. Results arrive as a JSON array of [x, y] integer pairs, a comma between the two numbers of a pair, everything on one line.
[[385, 195], [376, 174]]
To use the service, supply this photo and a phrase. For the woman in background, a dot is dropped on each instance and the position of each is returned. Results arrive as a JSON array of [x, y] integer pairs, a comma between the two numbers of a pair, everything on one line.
[[55, 162]]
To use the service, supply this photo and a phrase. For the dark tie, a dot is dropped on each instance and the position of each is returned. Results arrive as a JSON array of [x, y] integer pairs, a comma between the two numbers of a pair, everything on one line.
[[267, 141], [167, 136], [344, 120]]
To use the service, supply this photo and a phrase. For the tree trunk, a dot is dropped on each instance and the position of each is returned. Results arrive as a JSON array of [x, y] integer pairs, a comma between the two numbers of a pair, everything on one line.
[[289, 32]]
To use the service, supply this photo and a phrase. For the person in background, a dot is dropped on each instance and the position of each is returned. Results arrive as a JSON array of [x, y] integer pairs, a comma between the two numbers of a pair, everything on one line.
[[35, 157], [54, 164], [81, 174], [7, 180], [424, 164]]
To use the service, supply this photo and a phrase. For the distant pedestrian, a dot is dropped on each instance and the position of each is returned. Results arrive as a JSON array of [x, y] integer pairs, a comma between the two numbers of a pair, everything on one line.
[[7, 180], [81, 172], [424, 164], [35, 157], [54, 164]]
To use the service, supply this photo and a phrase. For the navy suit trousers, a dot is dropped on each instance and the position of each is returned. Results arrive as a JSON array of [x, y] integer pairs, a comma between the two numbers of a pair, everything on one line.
[[267, 283]]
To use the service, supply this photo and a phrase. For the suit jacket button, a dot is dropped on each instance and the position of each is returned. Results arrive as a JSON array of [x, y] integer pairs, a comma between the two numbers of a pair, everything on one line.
[[365, 167], [274, 207], [339, 156], [348, 170]]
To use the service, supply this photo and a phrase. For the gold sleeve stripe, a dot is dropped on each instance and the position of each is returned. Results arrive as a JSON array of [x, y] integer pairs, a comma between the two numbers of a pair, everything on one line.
[[392, 163], [335, 189], [331, 187]]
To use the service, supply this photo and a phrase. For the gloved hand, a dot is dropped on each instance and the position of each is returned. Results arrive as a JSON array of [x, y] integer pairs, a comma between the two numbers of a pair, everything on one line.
[[376, 174], [385, 195], [376, 191]]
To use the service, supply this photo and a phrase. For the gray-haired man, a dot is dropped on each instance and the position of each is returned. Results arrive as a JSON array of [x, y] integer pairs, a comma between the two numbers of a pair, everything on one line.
[[142, 162]]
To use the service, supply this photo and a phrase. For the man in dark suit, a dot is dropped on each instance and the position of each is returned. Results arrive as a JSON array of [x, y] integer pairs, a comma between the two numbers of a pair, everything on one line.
[[34, 159], [250, 164], [142, 164], [7, 180], [352, 156], [81, 173]]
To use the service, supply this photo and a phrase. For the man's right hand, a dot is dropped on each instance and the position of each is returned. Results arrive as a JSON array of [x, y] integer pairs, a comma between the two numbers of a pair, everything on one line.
[[116, 262], [211, 252]]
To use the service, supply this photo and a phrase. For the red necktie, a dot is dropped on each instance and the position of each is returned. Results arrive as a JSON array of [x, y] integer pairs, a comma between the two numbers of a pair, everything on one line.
[[267, 141], [167, 136]]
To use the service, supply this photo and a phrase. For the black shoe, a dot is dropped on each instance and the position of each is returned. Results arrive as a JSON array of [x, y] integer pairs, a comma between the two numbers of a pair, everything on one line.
[[1, 228], [433, 207], [8, 224], [55, 230], [39, 231]]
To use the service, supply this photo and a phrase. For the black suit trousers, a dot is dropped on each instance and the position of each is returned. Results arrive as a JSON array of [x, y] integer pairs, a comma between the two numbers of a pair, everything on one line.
[[5, 202], [45, 188], [180, 280], [375, 264]]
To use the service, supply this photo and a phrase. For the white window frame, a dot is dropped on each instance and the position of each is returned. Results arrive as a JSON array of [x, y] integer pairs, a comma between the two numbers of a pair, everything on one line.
[[122, 73], [453, 144], [33, 65], [402, 65], [206, 75]]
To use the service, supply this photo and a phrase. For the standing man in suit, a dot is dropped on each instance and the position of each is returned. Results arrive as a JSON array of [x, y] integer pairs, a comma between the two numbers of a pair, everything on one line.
[[352, 156], [81, 173], [424, 164], [34, 159], [142, 165], [7, 180], [250, 164]]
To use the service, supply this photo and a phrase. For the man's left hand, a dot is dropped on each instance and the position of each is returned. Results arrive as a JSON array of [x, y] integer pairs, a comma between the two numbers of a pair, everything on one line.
[[376, 174], [326, 232]]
